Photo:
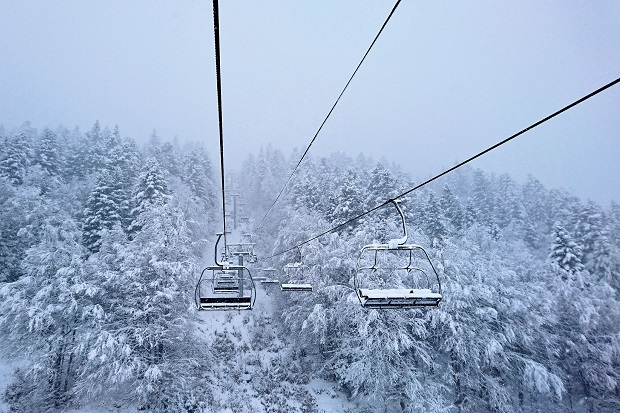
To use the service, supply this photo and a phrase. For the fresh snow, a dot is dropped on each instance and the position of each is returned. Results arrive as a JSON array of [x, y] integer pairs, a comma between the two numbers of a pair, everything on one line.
[[398, 293], [328, 399], [296, 287], [6, 376], [100, 257]]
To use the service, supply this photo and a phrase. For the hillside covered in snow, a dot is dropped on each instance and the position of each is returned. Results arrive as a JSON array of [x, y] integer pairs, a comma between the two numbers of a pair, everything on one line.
[[102, 243]]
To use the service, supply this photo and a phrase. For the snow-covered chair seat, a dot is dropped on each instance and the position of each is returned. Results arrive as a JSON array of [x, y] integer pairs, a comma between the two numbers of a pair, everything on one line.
[[226, 303], [226, 288], [296, 287], [398, 298], [225, 283]]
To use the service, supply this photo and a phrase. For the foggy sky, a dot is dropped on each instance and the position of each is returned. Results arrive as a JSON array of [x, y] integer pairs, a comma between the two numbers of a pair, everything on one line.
[[444, 81]]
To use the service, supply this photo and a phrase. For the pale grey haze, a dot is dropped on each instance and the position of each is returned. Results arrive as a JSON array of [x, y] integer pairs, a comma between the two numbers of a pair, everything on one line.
[[444, 81]]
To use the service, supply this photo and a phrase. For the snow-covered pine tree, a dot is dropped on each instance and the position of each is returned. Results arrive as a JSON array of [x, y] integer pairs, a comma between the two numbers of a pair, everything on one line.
[[470, 215], [153, 146], [247, 176], [198, 178], [434, 224], [111, 142], [348, 200], [150, 191], [48, 154], [271, 172], [590, 328], [88, 154], [588, 315], [381, 187], [22, 212], [10, 253], [127, 156], [604, 263], [481, 197], [565, 255], [451, 208], [144, 345], [589, 231], [49, 162], [305, 192], [42, 314], [538, 218], [614, 223], [106, 206], [168, 158], [487, 339], [15, 161], [124, 166], [195, 196], [96, 151], [509, 207]]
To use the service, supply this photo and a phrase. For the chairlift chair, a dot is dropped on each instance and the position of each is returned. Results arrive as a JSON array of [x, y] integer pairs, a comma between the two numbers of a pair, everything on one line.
[[269, 276], [246, 238], [245, 249], [225, 286], [407, 265], [294, 272], [296, 287], [225, 281]]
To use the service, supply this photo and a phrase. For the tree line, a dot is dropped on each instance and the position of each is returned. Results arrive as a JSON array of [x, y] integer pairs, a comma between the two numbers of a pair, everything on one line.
[[101, 242]]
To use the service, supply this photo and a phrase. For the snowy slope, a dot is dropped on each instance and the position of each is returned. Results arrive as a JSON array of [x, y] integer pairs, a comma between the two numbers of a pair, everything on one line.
[[251, 376], [6, 370]]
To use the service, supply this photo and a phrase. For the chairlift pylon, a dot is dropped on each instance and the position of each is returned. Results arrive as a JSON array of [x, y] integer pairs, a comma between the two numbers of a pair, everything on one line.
[[407, 267], [229, 287]]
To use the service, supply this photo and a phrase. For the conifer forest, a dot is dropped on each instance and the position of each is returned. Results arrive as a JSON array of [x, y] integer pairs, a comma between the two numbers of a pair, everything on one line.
[[103, 240]]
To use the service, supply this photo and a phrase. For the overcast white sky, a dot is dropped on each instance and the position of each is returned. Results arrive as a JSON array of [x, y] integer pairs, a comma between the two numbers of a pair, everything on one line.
[[445, 80]]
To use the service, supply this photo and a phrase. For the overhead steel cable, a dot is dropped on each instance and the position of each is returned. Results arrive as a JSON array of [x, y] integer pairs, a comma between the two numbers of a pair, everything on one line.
[[216, 30], [327, 117], [489, 149]]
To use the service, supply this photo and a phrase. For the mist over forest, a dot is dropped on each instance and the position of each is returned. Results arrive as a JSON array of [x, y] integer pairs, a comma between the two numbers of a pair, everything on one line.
[[102, 242]]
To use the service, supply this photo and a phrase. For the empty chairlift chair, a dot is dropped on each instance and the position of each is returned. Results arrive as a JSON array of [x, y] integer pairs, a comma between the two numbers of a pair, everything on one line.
[[294, 272], [225, 286], [269, 276], [396, 275], [245, 249], [225, 281]]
